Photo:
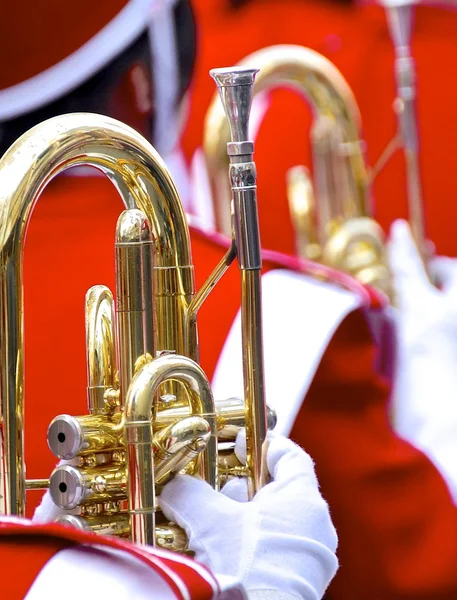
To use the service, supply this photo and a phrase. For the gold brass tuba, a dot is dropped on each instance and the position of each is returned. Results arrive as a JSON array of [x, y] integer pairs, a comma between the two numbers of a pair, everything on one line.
[[337, 228], [151, 409]]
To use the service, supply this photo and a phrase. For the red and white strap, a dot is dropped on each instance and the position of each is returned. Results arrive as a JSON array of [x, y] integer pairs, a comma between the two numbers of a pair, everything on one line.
[[26, 548]]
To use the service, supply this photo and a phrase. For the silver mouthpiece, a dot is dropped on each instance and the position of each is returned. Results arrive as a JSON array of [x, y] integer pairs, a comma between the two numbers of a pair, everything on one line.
[[400, 20], [236, 86]]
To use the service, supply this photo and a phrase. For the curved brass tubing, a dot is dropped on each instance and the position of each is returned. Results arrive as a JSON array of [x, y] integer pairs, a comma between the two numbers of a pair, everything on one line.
[[341, 178], [358, 247], [303, 212], [100, 346], [122, 451], [138, 426], [331, 101], [143, 181]]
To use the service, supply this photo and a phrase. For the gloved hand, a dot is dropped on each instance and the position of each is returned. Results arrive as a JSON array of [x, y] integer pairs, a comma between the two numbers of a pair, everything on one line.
[[425, 395], [283, 541], [428, 314]]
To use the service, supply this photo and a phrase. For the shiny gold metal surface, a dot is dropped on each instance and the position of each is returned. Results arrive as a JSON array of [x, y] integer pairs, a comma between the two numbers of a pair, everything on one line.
[[144, 183], [100, 346], [171, 537], [151, 413], [303, 211], [138, 440], [37, 484]]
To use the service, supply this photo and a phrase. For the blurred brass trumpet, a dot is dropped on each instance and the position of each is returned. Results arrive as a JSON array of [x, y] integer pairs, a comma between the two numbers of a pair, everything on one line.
[[151, 408]]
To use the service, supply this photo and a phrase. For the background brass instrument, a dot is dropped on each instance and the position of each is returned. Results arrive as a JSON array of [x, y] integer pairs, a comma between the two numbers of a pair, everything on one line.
[[151, 409], [331, 211], [337, 227]]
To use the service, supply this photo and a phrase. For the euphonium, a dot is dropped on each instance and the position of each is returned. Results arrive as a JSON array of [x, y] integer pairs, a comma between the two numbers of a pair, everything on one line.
[[337, 228], [151, 409]]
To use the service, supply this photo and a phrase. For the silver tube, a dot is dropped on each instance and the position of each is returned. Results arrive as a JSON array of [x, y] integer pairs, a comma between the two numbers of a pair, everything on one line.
[[235, 86], [400, 19]]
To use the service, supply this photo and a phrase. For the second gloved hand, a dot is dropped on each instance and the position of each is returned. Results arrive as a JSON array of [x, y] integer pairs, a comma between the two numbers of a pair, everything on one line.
[[283, 540], [425, 395]]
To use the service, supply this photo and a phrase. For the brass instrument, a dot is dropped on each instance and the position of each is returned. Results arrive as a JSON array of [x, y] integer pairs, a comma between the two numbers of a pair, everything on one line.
[[337, 228], [151, 409]]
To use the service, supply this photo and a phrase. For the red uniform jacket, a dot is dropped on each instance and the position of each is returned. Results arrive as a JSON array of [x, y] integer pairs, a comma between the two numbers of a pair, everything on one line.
[[396, 521], [356, 39]]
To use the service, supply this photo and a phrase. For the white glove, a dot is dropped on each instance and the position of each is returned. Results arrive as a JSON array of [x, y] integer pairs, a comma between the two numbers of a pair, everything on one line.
[[281, 545], [425, 396]]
